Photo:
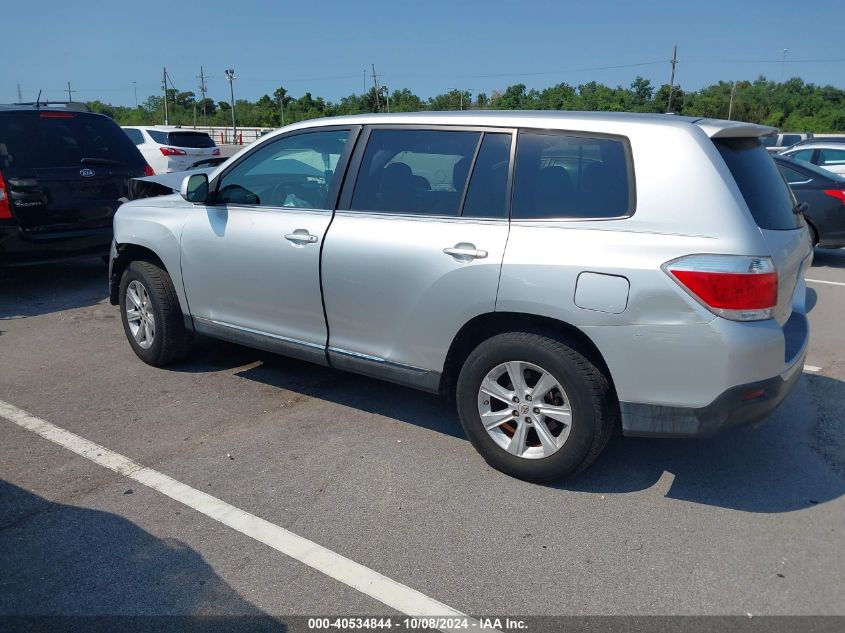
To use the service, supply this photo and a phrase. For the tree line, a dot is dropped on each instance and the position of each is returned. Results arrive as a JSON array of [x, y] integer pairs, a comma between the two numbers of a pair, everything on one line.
[[790, 105]]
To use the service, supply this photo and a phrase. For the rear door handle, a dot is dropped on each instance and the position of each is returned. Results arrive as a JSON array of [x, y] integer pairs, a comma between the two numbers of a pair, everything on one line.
[[300, 237], [465, 251]]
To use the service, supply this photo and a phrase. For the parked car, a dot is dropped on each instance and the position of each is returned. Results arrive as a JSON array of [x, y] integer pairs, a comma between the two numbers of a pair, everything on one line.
[[775, 143], [552, 272], [63, 173], [824, 194], [171, 148], [828, 154]]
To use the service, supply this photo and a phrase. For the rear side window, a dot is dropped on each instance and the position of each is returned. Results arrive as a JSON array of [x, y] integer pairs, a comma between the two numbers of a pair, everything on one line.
[[415, 171], [790, 139], [559, 175], [136, 136], [765, 192], [47, 139], [805, 154]]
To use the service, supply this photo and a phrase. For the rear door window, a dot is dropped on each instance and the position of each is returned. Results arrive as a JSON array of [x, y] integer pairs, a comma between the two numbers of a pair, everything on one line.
[[415, 171], [790, 139], [59, 139], [559, 175], [832, 157], [765, 192], [488, 187]]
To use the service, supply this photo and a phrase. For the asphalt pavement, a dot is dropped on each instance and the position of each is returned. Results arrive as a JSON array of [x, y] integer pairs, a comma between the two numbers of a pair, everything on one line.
[[749, 522]]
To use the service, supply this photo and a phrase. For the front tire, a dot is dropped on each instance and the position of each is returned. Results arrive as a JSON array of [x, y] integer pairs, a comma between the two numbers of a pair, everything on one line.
[[151, 315], [535, 407]]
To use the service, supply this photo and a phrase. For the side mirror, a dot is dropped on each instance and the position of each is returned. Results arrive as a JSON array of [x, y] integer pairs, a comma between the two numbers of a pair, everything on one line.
[[195, 188]]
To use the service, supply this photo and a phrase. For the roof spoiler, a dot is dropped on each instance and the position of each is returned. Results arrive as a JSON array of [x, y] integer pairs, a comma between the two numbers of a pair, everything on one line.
[[75, 106], [718, 128]]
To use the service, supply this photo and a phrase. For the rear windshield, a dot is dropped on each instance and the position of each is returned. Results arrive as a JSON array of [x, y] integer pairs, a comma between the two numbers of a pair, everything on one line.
[[765, 191], [36, 139], [182, 139]]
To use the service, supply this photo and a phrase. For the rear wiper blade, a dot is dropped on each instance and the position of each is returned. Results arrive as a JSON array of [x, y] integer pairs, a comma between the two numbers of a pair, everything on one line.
[[102, 161]]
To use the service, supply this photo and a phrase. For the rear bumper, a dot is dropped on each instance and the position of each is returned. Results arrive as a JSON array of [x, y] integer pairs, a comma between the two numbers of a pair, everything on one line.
[[743, 404], [17, 248]]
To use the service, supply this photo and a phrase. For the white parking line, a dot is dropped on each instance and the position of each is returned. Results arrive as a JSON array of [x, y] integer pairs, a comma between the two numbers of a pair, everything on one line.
[[812, 368], [822, 281], [385, 590]]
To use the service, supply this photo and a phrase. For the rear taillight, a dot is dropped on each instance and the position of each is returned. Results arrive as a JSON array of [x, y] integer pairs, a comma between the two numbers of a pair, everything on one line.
[[731, 286], [216, 152], [5, 209], [148, 171], [172, 151], [836, 193]]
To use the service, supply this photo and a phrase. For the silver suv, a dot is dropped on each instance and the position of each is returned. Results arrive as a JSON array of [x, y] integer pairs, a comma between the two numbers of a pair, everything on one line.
[[558, 274]]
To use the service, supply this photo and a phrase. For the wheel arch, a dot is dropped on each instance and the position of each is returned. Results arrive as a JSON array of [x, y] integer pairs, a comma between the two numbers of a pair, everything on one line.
[[490, 324]]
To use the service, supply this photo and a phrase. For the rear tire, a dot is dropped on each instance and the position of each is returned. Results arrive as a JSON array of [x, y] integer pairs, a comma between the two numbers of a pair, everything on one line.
[[153, 321], [553, 450]]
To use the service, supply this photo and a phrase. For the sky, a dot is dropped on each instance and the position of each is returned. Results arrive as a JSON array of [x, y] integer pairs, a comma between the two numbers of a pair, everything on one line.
[[428, 46]]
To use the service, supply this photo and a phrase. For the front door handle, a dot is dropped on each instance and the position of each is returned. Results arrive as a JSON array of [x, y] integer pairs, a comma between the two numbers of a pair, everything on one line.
[[465, 251], [300, 237]]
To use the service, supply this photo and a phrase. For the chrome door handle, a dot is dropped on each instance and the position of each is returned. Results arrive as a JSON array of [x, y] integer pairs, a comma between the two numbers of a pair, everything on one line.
[[465, 251], [301, 236]]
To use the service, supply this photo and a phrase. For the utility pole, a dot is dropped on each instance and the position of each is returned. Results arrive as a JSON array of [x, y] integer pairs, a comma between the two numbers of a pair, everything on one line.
[[282, 107], [783, 63], [375, 83], [387, 97], [135, 90], [164, 90], [731, 104], [230, 77], [20, 95], [69, 92], [365, 81], [672, 80], [203, 90]]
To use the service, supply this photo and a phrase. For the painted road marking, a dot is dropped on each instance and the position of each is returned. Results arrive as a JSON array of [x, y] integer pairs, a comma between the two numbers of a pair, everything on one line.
[[367, 581], [812, 368], [822, 281]]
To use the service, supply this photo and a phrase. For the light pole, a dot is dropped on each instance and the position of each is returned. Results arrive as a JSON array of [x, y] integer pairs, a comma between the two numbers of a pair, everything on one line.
[[230, 77], [784, 52]]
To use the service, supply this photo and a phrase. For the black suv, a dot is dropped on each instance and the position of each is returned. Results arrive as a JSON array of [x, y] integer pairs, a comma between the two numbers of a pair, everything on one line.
[[63, 173]]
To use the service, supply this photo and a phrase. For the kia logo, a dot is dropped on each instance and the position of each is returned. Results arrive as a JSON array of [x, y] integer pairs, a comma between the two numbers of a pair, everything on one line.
[[86, 173]]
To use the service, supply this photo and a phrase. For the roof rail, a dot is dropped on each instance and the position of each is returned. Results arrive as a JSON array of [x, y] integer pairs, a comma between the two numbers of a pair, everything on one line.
[[76, 106]]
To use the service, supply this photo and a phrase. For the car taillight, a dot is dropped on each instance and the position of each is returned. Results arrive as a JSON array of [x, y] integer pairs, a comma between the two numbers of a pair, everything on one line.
[[216, 152], [735, 287], [836, 193], [148, 171], [5, 209], [172, 151]]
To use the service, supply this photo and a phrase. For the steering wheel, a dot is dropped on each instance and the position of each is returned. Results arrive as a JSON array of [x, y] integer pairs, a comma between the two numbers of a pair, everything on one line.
[[278, 194]]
